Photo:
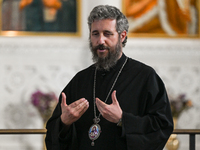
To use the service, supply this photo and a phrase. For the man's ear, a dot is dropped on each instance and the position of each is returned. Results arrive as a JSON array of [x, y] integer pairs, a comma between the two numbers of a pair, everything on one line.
[[123, 35]]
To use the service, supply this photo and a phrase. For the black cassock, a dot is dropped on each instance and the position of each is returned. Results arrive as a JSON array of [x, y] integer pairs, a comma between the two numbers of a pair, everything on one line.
[[146, 121]]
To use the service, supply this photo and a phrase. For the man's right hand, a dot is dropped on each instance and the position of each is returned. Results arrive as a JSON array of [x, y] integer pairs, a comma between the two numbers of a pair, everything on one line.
[[72, 112]]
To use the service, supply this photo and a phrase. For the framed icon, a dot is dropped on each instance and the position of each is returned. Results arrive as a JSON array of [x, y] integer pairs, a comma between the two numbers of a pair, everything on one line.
[[162, 18], [40, 17]]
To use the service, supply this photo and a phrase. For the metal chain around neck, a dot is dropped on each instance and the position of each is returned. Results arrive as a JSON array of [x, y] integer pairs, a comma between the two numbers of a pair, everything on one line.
[[97, 119]]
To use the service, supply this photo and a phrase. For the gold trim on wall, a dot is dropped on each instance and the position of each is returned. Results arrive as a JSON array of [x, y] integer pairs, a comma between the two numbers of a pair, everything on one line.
[[45, 33], [140, 24]]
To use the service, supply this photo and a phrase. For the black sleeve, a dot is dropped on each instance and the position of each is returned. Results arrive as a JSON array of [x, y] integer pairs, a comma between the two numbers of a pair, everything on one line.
[[152, 130], [56, 137]]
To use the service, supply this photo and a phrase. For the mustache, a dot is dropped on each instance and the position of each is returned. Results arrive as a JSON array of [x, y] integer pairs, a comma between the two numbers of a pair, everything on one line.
[[101, 47]]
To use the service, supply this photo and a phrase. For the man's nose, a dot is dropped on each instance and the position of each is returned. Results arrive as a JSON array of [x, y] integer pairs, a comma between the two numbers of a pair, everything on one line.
[[101, 39]]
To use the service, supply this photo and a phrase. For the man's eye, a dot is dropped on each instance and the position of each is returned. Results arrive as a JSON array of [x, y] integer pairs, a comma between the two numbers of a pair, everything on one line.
[[107, 34], [95, 33]]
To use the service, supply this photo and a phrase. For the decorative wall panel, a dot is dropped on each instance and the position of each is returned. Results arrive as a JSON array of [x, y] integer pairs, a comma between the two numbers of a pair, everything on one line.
[[49, 63]]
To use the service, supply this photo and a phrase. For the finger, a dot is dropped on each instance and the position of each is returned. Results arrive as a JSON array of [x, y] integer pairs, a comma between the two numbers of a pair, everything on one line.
[[80, 106], [63, 99], [114, 98], [100, 105], [78, 102], [83, 110]]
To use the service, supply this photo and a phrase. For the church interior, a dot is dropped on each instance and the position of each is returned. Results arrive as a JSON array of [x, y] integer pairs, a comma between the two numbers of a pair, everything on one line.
[[41, 58]]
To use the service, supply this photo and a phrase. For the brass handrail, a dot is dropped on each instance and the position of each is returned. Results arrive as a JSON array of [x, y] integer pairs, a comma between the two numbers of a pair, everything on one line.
[[43, 131], [186, 131], [22, 131]]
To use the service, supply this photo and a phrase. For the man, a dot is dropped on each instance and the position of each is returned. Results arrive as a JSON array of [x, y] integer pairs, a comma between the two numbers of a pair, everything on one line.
[[115, 104]]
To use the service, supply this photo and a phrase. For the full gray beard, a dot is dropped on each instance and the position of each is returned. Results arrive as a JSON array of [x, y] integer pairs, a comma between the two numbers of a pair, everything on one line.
[[108, 62]]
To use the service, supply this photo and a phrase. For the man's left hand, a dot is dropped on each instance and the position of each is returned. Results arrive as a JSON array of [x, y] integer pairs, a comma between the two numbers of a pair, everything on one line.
[[112, 112]]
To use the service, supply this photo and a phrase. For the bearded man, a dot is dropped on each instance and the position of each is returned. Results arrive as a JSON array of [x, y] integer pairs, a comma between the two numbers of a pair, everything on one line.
[[124, 100]]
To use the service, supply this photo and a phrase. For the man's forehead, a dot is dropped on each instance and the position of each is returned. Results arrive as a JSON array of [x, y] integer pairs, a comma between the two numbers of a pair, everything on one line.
[[104, 24]]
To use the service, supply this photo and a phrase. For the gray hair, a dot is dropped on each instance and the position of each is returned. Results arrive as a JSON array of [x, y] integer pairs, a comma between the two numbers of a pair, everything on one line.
[[109, 12]]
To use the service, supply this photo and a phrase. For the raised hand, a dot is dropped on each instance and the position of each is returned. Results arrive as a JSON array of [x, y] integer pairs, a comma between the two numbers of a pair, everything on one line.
[[112, 112], [72, 112]]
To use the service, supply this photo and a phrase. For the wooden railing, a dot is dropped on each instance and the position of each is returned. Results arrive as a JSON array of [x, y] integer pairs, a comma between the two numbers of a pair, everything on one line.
[[191, 132]]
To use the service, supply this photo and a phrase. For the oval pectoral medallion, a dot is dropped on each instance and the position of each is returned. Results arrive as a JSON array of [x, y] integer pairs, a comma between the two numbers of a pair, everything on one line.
[[94, 132]]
